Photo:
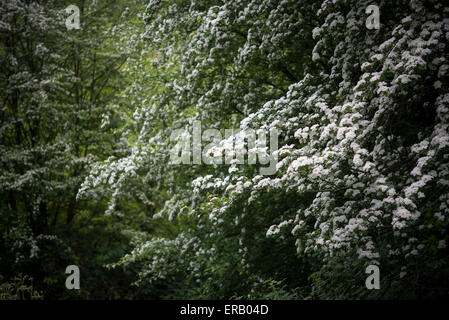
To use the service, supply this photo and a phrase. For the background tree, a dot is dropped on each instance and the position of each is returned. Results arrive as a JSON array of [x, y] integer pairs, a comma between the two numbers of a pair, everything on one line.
[[62, 111]]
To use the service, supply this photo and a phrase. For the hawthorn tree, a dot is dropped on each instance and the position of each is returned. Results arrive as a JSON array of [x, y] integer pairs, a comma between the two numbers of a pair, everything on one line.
[[362, 176]]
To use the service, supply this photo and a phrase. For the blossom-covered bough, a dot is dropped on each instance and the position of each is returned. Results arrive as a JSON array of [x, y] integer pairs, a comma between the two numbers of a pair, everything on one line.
[[363, 171]]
